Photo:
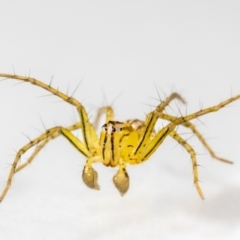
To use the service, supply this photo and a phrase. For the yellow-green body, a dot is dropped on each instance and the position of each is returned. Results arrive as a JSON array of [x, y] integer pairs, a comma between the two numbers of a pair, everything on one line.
[[119, 143]]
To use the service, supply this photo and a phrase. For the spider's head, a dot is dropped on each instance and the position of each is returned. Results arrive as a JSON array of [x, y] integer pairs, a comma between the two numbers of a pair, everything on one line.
[[113, 140], [117, 141]]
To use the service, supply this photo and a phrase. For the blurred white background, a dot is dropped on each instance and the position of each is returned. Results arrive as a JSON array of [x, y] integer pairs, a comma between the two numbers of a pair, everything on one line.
[[123, 52]]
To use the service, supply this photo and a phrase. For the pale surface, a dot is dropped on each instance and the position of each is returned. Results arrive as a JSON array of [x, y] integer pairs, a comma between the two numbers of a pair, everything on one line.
[[120, 48]]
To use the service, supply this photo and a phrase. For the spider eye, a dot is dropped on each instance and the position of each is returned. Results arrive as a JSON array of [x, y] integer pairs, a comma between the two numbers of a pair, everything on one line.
[[104, 127], [119, 129]]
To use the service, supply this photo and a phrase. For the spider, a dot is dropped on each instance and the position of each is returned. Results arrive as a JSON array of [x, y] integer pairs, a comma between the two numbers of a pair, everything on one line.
[[120, 143]]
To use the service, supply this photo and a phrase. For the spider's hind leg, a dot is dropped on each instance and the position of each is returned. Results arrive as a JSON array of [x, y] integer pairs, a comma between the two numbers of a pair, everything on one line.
[[191, 151], [42, 141], [198, 134]]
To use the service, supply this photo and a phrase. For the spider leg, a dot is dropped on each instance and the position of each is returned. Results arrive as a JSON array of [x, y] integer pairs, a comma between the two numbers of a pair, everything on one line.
[[150, 122], [191, 151], [42, 140], [89, 175], [109, 116], [171, 97], [196, 132], [108, 110], [147, 146], [90, 146], [199, 136], [89, 135], [104, 110], [41, 144], [33, 155]]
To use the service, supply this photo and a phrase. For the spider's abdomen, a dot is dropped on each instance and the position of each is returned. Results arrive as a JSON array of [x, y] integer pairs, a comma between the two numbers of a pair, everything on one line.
[[117, 140]]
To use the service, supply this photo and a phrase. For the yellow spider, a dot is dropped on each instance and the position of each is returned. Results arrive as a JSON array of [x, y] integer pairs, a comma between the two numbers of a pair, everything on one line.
[[120, 143]]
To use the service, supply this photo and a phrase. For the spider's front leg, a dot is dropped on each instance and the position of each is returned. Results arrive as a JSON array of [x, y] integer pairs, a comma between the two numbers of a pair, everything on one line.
[[198, 135]]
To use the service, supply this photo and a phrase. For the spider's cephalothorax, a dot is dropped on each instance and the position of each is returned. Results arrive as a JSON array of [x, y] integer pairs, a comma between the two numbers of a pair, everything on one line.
[[120, 143], [116, 141]]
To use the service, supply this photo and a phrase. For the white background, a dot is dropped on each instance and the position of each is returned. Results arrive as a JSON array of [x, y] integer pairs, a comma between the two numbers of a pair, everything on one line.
[[122, 52]]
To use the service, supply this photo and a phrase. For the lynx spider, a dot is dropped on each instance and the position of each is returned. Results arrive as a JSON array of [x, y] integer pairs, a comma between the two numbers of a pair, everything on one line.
[[120, 143]]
